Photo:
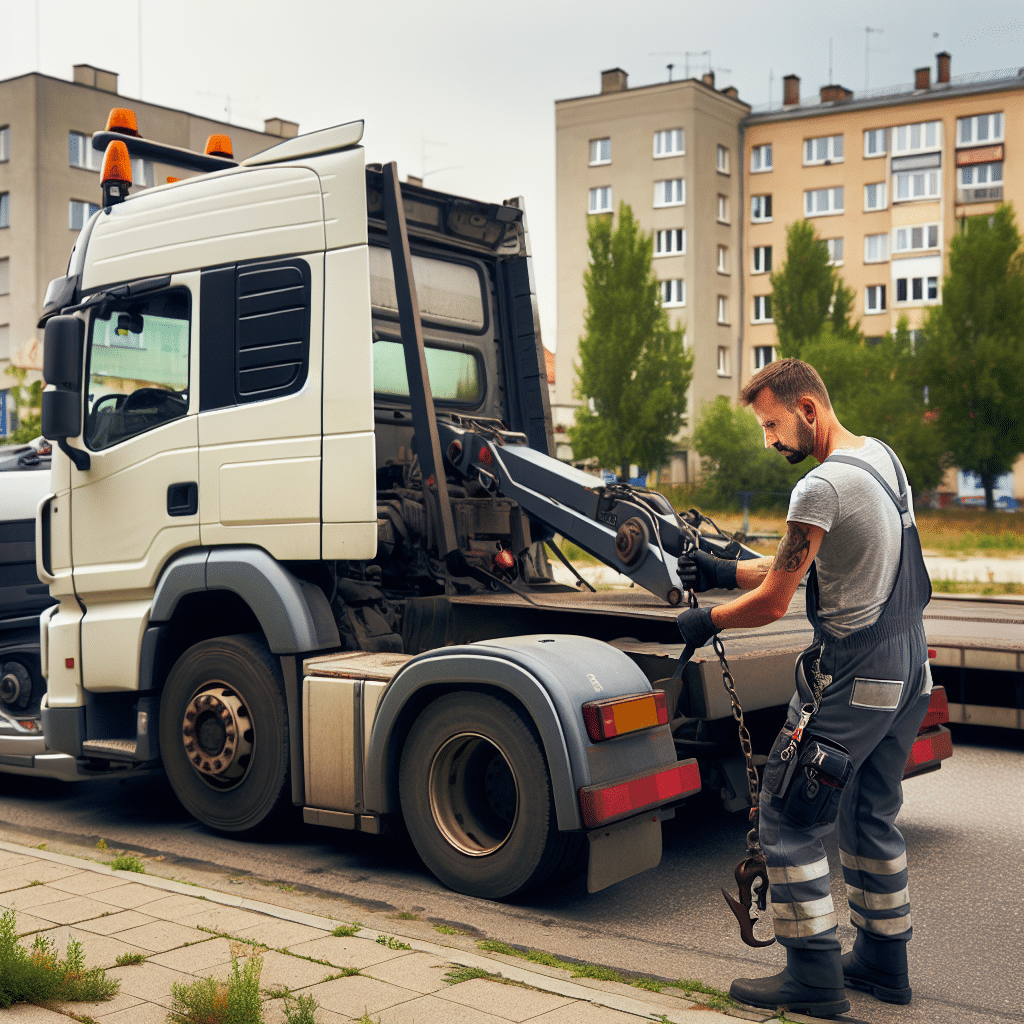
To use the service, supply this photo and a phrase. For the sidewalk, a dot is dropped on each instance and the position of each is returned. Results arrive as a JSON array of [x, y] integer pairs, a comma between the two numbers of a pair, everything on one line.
[[187, 932]]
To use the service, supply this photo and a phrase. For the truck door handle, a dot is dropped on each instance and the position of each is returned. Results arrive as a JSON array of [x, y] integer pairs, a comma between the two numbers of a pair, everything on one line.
[[183, 499]]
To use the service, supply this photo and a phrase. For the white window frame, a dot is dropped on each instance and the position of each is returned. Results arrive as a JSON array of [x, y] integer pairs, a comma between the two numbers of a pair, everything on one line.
[[872, 294], [758, 352], [833, 146], [722, 159], [903, 237], [600, 200], [811, 199], [670, 242], [723, 259], [595, 147], [758, 205], [872, 135], [5, 209], [758, 260], [80, 210], [884, 204], [880, 243], [830, 244], [88, 158], [995, 127], [673, 187], [669, 142], [918, 137], [925, 281], [723, 310], [723, 209], [762, 310], [930, 178], [724, 369], [672, 292], [761, 159], [991, 189], [5, 143]]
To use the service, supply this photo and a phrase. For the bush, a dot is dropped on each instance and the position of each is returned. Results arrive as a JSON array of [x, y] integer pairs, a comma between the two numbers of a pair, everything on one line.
[[209, 1001]]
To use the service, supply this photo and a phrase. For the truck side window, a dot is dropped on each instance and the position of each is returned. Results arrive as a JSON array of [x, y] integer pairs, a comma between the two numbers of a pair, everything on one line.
[[138, 366], [455, 375]]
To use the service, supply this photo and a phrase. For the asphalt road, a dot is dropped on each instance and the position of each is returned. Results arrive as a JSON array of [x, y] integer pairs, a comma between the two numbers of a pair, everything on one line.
[[964, 827]]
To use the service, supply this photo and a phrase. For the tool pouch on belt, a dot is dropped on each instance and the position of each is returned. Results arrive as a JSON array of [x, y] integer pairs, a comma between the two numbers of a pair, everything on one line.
[[812, 782]]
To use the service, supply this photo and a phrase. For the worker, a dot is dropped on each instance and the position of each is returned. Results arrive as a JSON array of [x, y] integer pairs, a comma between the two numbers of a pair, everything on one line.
[[862, 691]]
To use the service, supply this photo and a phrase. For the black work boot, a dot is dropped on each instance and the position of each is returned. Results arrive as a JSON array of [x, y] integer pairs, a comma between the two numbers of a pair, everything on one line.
[[812, 983], [879, 968]]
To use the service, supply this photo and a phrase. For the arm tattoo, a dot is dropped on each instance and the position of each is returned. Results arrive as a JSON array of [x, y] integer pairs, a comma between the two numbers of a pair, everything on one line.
[[793, 549]]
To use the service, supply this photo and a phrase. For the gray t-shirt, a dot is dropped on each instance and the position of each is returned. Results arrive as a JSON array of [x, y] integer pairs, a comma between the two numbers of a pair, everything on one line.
[[859, 556]]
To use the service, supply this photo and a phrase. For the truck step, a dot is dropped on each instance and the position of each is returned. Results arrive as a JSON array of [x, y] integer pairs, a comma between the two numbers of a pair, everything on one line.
[[118, 749]]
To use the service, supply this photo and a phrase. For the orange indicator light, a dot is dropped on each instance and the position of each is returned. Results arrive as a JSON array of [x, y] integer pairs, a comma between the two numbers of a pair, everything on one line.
[[615, 716], [219, 145], [117, 165], [122, 120]]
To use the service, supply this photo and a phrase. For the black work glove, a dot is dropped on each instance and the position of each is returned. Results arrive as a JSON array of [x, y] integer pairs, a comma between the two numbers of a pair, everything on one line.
[[696, 627], [700, 571]]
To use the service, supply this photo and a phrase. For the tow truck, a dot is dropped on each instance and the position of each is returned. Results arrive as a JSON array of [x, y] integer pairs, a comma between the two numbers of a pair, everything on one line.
[[301, 499]]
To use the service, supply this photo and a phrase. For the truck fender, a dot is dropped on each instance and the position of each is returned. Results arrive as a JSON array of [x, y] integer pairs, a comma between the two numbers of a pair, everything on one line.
[[294, 615], [551, 676]]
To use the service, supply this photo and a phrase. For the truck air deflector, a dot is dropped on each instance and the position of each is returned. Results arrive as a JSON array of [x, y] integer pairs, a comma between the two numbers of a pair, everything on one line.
[[327, 140]]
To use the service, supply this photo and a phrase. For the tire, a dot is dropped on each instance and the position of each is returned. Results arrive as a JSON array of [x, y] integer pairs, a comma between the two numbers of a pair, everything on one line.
[[477, 801], [224, 734]]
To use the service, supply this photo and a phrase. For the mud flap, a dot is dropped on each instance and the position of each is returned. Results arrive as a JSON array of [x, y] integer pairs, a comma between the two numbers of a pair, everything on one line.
[[622, 850]]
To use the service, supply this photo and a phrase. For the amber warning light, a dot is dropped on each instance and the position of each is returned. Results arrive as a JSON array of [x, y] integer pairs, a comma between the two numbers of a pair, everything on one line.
[[122, 120], [615, 716], [219, 145], [116, 177]]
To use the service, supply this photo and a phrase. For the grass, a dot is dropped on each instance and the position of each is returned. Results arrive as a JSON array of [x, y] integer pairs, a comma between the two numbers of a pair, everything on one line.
[[130, 959], [392, 943], [974, 587], [209, 1001], [405, 915], [344, 930], [300, 1010], [127, 862], [447, 929], [38, 975]]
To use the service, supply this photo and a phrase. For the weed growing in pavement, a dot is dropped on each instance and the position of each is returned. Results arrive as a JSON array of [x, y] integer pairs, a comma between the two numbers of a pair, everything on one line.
[[40, 846], [35, 881], [392, 943], [127, 862], [405, 916], [209, 1001], [233, 938], [345, 972], [447, 929], [130, 959], [460, 974], [83, 1018], [717, 999], [39, 975], [344, 930], [101, 845], [300, 1010]]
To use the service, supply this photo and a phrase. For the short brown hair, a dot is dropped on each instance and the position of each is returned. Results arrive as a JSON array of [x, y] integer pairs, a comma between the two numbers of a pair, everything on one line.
[[788, 380]]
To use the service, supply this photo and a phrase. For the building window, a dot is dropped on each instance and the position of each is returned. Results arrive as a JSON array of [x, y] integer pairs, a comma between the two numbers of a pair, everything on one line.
[[671, 192], [5, 279], [874, 196], [820, 202], [921, 236], [5, 209], [670, 243], [723, 259], [723, 309], [762, 309], [835, 251], [761, 159], [601, 199], [917, 289], [673, 293], [142, 173], [828, 149], [762, 259], [876, 248], [723, 361], [876, 142], [723, 209], [5, 144], [760, 209], [914, 138], [978, 183], [81, 153], [874, 298], [982, 128], [917, 185], [722, 160], [79, 213], [670, 142], [763, 355], [600, 151]]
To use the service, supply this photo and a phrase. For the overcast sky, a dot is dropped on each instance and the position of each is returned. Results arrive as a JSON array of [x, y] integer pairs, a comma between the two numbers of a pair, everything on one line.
[[464, 90]]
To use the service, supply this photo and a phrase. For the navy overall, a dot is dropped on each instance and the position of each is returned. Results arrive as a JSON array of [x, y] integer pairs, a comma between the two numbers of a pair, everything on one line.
[[873, 707]]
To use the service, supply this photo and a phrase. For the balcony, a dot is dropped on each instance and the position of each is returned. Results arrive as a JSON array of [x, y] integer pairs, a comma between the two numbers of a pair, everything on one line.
[[980, 194]]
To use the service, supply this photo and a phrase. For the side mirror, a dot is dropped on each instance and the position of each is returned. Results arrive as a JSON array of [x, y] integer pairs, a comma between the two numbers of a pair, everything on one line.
[[62, 367]]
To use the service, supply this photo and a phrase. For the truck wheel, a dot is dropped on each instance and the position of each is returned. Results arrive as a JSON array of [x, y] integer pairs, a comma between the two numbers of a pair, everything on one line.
[[477, 800], [224, 734]]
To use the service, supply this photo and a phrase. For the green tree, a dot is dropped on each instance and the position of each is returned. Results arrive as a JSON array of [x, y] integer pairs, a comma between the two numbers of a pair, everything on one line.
[[808, 294], [877, 390], [29, 401], [973, 348], [633, 370]]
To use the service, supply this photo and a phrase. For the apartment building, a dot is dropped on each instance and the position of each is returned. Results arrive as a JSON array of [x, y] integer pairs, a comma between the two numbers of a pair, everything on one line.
[[49, 187], [886, 178], [672, 151]]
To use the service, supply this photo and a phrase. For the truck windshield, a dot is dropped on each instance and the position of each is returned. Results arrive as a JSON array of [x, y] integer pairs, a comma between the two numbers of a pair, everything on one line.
[[138, 366]]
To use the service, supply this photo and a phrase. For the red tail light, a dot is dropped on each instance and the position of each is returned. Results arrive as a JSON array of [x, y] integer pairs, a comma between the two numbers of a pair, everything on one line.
[[602, 804], [938, 710], [934, 747], [618, 715]]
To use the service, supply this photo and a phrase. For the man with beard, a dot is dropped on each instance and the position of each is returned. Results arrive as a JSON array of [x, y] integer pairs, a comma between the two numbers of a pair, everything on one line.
[[862, 691]]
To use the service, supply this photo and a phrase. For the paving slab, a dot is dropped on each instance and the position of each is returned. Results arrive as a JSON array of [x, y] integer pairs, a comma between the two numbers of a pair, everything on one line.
[[588, 1013], [195, 959], [37, 871], [274, 1013], [172, 908], [508, 1001], [131, 895], [358, 995], [26, 924], [71, 911], [422, 972], [148, 981], [115, 921], [229, 920], [24, 1013], [86, 882], [345, 952], [426, 1009], [279, 934], [30, 896], [99, 1010], [161, 936], [144, 1013]]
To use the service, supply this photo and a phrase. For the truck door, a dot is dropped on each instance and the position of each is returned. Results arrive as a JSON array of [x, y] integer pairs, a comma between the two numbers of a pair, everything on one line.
[[138, 501]]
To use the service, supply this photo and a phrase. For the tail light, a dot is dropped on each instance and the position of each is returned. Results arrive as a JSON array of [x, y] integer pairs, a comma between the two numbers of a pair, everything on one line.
[[618, 715], [929, 750], [938, 710], [602, 804]]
